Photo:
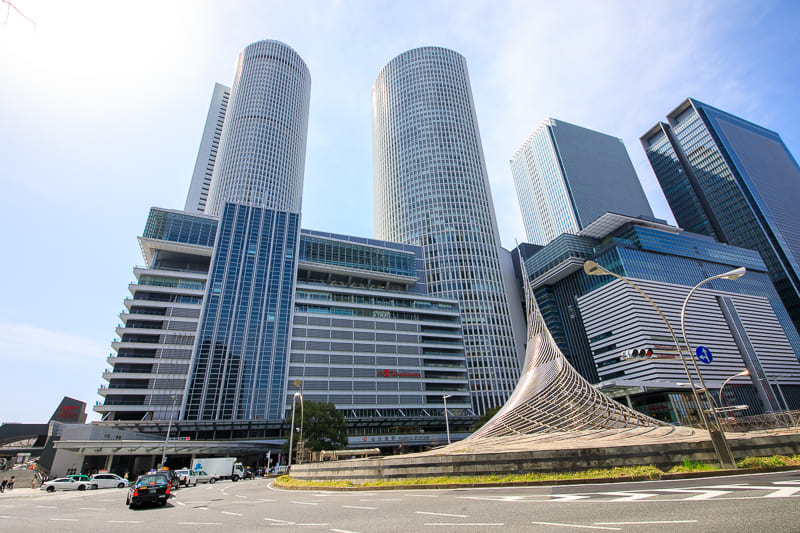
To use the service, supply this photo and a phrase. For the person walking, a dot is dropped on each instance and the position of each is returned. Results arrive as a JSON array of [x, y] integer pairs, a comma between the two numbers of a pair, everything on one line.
[[10, 484], [3, 485]]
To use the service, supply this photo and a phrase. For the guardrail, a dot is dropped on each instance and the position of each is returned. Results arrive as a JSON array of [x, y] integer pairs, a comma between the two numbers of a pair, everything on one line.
[[779, 420]]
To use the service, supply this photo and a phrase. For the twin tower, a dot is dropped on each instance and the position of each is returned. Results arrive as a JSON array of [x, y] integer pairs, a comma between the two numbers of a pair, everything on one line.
[[431, 191]]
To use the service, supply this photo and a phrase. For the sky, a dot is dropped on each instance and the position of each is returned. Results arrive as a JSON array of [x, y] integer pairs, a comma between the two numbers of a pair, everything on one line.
[[102, 106]]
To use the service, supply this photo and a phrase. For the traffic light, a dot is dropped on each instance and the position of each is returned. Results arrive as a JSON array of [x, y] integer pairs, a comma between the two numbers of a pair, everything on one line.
[[636, 353]]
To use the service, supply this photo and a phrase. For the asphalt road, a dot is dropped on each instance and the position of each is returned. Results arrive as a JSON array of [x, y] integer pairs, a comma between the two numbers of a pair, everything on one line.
[[756, 502]]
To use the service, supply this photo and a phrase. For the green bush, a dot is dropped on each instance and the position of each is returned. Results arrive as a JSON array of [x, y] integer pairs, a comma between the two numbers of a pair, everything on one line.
[[762, 462]]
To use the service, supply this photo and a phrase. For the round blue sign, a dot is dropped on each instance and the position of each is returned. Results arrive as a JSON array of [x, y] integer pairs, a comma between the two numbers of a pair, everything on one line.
[[704, 354]]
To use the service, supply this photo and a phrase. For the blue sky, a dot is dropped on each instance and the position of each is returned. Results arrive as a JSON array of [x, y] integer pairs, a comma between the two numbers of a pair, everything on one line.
[[103, 105]]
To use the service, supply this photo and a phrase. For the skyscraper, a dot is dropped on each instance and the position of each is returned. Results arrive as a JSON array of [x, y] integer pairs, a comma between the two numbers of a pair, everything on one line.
[[242, 346], [432, 190], [197, 198], [567, 176], [262, 149], [735, 181]]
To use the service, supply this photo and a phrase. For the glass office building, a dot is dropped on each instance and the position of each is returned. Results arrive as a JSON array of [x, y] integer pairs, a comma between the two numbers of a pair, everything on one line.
[[666, 263], [432, 190], [735, 181], [567, 176], [262, 147]]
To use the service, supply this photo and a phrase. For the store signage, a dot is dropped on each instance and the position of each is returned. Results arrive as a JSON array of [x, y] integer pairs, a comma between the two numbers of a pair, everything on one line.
[[386, 373]]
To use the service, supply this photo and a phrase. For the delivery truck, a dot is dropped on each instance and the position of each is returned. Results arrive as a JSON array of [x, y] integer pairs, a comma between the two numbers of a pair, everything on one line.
[[220, 467]]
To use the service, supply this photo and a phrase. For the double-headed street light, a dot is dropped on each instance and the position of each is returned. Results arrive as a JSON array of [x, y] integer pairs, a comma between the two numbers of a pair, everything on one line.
[[446, 420], [169, 428], [718, 440], [291, 428]]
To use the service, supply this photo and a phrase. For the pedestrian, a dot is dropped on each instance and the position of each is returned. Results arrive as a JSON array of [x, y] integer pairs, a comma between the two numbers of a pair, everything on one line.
[[10, 484], [3, 485]]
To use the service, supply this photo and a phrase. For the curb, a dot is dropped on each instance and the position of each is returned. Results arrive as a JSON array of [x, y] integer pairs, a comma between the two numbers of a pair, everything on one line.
[[552, 482]]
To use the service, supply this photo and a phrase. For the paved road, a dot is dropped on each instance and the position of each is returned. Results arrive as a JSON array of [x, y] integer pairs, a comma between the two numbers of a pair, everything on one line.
[[762, 502]]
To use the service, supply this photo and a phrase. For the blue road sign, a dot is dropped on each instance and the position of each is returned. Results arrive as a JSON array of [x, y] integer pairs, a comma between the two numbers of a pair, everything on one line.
[[704, 354]]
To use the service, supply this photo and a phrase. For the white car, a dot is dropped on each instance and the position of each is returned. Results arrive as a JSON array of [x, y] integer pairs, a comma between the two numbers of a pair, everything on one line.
[[108, 481], [65, 483]]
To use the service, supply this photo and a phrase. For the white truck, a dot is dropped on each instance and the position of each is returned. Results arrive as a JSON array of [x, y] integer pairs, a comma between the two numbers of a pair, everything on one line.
[[220, 467]]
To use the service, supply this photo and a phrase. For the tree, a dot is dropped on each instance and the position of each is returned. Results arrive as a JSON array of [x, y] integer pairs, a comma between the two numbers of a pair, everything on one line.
[[485, 418], [324, 428]]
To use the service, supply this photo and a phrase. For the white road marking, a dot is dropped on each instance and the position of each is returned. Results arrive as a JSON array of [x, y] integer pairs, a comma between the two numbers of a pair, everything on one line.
[[304, 503], [779, 492], [230, 513], [343, 531], [380, 499], [126, 521], [477, 524], [200, 523], [92, 509], [358, 507], [45, 506], [65, 519], [702, 494], [443, 514], [240, 496], [265, 500], [284, 522], [629, 496], [576, 525], [6, 516], [424, 495], [651, 522], [179, 503]]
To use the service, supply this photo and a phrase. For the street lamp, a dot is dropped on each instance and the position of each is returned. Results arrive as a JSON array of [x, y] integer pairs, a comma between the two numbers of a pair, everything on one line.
[[720, 444], [744, 372], [446, 420], [169, 428], [291, 428], [299, 383]]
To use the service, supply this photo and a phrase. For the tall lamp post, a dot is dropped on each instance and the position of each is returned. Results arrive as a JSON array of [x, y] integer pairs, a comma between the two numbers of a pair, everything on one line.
[[720, 445], [291, 428], [169, 428], [718, 432], [446, 420]]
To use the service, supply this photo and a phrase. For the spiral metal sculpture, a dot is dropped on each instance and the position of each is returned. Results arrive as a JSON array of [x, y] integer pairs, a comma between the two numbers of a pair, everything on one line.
[[551, 397]]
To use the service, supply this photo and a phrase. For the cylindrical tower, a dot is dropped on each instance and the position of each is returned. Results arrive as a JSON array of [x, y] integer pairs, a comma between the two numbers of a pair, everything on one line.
[[262, 150], [432, 190]]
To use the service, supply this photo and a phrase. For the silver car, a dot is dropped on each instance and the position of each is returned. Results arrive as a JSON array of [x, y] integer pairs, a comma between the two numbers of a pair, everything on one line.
[[108, 481]]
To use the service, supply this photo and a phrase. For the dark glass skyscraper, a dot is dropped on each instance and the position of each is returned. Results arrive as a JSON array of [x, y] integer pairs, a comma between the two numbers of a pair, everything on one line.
[[735, 181]]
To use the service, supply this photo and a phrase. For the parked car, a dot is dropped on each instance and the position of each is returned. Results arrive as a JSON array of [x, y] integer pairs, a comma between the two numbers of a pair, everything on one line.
[[107, 481], [67, 483], [186, 477], [201, 476], [149, 488]]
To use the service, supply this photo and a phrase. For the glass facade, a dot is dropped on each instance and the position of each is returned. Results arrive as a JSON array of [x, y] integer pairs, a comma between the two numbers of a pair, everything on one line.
[[646, 253], [241, 352], [353, 255], [262, 149], [733, 180], [567, 176], [176, 226], [432, 190]]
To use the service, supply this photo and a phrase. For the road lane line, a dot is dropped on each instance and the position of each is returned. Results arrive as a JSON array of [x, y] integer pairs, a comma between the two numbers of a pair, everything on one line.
[[650, 522], [126, 521], [358, 507], [701, 494], [284, 522], [380, 499], [179, 503], [240, 496], [576, 525], [266, 500], [200, 523], [443, 514], [92, 509], [628, 496], [304, 503], [64, 519], [461, 524], [343, 531], [45, 506], [230, 513]]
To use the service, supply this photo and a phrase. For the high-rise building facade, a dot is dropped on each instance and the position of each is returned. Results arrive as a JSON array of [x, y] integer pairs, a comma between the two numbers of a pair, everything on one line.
[[743, 322], [567, 176], [735, 181], [200, 185], [262, 148], [242, 346], [432, 190]]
